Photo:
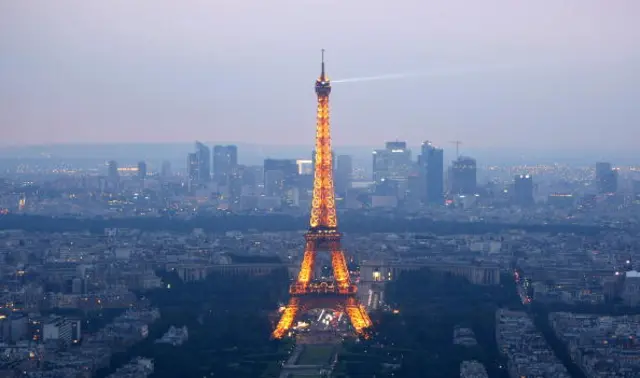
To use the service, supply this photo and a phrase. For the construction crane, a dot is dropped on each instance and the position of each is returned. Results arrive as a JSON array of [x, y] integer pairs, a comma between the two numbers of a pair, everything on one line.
[[457, 143]]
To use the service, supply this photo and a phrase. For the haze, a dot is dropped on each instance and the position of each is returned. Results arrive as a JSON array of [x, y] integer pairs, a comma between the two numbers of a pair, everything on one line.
[[541, 75]]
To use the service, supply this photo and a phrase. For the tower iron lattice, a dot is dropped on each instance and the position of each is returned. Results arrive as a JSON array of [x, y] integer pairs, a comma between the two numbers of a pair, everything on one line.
[[306, 292]]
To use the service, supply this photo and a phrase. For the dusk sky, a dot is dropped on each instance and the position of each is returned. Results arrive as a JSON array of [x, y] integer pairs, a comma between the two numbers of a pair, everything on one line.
[[538, 74]]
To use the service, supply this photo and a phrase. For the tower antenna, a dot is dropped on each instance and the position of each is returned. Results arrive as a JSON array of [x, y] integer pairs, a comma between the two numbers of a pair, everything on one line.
[[322, 74], [457, 143]]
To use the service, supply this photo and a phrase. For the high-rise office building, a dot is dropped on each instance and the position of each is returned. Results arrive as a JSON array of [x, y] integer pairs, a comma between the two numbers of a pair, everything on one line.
[[199, 163], [112, 168], [432, 172], [635, 192], [343, 175], [387, 188], [523, 190], [235, 181], [463, 179], [280, 175], [203, 157], [392, 163], [225, 160], [113, 175], [305, 179], [274, 183], [606, 178], [166, 169], [415, 190], [253, 175], [305, 167], [142, 170], [192, 166]]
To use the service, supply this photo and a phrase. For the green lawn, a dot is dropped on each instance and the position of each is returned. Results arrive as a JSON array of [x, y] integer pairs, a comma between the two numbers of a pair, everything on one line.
[[316, 355]]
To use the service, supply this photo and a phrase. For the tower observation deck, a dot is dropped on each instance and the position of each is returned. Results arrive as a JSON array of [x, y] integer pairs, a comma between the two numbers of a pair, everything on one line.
[[307, 292]]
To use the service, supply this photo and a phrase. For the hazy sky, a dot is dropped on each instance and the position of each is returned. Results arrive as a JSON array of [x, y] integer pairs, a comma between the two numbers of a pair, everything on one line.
[[541, 74]]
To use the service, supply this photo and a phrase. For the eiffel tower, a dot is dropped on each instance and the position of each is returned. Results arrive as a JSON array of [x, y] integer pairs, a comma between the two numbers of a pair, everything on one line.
[[306, 292]]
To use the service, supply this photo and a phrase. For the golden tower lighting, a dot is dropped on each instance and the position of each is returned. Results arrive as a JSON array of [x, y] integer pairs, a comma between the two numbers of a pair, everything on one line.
[[307, 293]]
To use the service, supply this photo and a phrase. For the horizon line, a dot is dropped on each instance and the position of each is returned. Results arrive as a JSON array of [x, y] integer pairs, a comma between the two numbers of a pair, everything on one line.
[[444, 146]]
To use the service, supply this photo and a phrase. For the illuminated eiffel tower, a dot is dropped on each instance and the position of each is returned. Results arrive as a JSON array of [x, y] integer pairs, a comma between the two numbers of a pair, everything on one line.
[[307, 293]]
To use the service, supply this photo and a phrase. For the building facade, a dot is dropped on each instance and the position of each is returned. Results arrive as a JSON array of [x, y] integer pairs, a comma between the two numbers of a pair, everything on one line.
[[432, 173]]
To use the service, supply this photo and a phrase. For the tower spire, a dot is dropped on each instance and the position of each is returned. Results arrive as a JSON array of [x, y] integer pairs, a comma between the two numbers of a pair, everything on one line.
[[322, 74]]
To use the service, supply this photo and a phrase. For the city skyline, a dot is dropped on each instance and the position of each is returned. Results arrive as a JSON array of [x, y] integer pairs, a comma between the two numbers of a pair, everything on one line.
[[252, 154], [164, 212], [545, 76]]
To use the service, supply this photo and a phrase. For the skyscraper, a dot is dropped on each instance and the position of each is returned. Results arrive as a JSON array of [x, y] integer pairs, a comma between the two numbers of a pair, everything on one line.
[[463, 178], [606, 178], [523, 190], [280, 175], [113, 176], [192, 166], [432, 171], [235, 182], [274, 183], [225, 160], [305, 167], [635, 187], [343, 175], [203, 158], [112, 169], [392, 163], [142, 170], [166, 169]]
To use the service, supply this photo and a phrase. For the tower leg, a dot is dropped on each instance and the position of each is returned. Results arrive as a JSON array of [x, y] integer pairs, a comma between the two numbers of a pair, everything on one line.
[[358, 316], [287, 318], [306, 270], [339, 265]]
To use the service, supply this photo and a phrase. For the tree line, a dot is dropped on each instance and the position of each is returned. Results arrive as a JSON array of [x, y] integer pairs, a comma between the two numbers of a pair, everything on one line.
[[350, 222]]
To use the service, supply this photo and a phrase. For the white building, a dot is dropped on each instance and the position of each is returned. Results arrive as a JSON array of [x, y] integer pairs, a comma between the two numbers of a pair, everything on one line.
[[57, 328], [631, 288]]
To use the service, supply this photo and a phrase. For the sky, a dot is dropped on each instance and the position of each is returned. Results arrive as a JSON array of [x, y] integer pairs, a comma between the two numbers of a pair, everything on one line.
[[541, 75]]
